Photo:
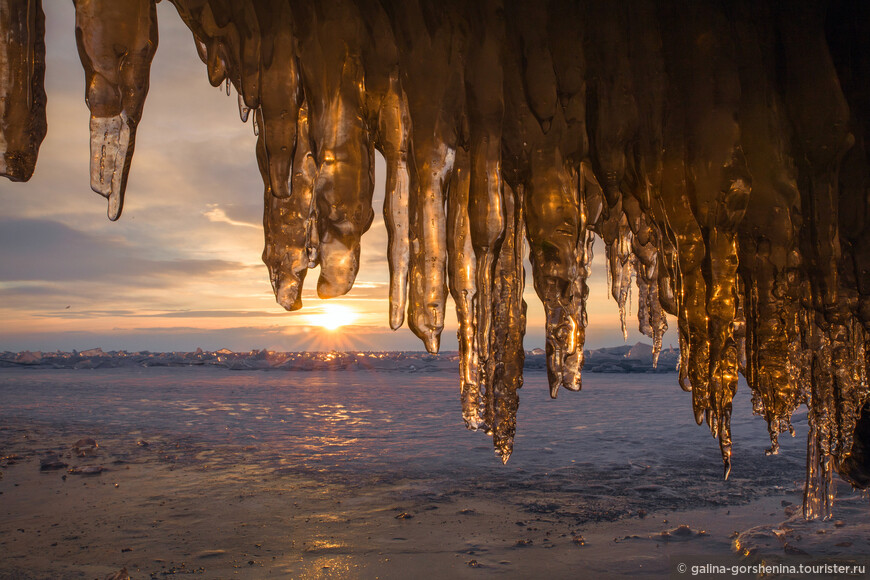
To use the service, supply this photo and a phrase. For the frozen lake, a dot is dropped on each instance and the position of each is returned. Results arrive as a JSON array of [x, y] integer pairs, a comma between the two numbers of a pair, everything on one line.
[[627, 441], [348, 474]]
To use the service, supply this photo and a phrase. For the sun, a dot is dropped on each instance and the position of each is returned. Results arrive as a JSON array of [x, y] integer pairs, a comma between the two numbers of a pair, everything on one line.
[[333, 316]]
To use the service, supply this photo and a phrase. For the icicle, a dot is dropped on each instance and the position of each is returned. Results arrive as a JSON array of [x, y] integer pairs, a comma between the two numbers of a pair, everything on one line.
[[771, 287], [117, 60], [722, 310], [253, 31], [279, 95], [652, 320], [643, 306], [819, 488], [620, 266], [22, 96], [435, 110], [394, 137], [505, 366], [289, 221], [557, 241], [822, 437], [110, 148], [329, 50], [426, 275], [462, 277], [571, 378], [486, 210], [243, 111]]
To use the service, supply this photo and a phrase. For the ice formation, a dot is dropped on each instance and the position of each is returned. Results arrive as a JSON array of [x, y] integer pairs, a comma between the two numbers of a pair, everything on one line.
[[718, 149]]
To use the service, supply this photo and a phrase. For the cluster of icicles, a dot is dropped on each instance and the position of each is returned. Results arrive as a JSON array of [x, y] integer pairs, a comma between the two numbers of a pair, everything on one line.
[[716, 148]]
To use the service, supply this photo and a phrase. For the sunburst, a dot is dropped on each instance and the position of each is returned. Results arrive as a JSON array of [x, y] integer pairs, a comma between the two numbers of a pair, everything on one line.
[[332, 316]]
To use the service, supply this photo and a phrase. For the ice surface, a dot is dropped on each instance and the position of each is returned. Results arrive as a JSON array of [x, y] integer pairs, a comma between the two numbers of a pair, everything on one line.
[[719, 152], [276, 420]]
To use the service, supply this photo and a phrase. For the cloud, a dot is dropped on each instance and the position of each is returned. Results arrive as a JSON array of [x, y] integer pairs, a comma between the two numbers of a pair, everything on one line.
[[130, 313], [237, 338], [215, 314], [40, 249], [217, 214]]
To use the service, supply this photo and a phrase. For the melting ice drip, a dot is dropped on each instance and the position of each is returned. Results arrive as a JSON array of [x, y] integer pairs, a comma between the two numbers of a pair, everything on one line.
[[719, 152]]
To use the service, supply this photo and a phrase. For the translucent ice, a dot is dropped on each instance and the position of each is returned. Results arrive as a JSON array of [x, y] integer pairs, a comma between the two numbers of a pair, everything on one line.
[[117, 40], [22, 97]]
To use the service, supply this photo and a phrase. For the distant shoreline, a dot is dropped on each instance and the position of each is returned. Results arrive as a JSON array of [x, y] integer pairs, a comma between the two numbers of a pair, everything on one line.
[[636, 358]]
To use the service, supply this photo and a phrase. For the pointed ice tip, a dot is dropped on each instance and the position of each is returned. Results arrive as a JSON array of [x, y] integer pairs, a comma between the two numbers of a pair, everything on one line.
[[504, 457], [397, 317], [727, 467], [554, 390], [573, 384], [288, 295], [116, 206], [432, 342], [546, 124]]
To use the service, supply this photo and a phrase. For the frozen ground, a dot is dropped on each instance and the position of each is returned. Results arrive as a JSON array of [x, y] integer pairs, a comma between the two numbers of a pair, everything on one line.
[[338, 457], [624, 438]]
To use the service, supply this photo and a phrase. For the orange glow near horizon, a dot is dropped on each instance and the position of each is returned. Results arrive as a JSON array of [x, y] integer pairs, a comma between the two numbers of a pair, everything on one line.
[[333, 316]]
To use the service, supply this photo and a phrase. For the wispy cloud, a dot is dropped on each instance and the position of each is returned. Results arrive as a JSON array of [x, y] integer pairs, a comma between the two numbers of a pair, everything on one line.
[[41, 249], [216, 314], [218, 214]]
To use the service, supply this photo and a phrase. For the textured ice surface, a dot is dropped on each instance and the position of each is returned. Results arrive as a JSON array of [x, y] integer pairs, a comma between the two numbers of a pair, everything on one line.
[[387, 426], [719, 152]]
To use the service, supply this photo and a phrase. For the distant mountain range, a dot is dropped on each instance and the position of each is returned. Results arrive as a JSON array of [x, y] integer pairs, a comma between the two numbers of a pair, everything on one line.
[[619, 359]]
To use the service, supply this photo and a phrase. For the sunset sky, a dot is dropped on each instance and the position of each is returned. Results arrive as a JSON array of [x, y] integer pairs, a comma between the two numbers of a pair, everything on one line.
[[181, 269]]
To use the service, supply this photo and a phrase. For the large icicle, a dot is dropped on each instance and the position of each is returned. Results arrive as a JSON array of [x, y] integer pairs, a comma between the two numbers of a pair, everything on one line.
[[330, 45], [390, 124], [485, 108], [505, 366], [462, 278], [651, 318], [290, 222], [436, 104], [22, 96], [538, 148], [556, 231], [117, 40], [279, 96], [394, 139]]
